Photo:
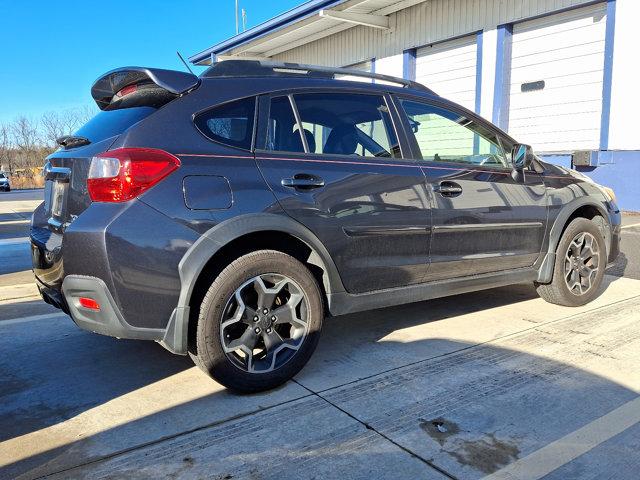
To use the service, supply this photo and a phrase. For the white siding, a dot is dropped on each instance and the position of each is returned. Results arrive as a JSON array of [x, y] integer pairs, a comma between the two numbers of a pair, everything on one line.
[[423, 24], [390, 65], [566, 51], [625, 94], [449, 69], [489, 53]]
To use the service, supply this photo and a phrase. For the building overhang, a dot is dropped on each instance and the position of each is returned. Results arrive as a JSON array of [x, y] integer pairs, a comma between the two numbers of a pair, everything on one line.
[[309, 22]]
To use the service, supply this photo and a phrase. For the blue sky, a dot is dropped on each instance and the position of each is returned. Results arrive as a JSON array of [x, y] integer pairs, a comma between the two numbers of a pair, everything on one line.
[[55, 49]]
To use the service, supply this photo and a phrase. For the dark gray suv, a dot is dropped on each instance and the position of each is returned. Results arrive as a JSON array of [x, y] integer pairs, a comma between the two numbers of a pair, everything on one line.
[[224, 216]]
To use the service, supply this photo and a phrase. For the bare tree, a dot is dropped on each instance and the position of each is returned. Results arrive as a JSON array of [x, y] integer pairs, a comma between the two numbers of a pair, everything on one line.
[[26, 142], [58, 124], [6, 151], [85, 113]]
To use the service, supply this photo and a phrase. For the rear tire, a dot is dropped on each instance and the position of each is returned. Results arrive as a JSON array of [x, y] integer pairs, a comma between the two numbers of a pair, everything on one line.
[[581, 259], [259, 322]]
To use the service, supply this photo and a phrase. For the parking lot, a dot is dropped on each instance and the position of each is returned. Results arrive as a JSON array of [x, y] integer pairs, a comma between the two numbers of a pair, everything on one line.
[[495, 383]]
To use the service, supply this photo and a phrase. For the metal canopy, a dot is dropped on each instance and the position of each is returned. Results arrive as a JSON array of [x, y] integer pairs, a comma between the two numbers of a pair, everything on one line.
[[308, 22]]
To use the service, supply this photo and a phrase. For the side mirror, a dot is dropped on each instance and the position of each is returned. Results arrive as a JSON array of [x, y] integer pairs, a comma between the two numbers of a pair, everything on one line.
[[521, 156]]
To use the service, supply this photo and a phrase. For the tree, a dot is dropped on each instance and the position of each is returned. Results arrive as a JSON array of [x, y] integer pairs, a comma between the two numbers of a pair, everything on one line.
[[25, 142], [6, 150], [56, 125]]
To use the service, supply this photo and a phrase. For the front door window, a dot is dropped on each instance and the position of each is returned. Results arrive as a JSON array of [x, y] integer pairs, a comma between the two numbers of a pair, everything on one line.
[[447, 136]]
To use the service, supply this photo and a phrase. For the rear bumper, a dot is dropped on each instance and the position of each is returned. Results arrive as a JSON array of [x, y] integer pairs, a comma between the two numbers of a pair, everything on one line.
[[52, 296], [108, 320]]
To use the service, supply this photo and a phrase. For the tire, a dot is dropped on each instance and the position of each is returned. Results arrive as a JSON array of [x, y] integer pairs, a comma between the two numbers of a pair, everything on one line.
[[559, 291], [226, 327]]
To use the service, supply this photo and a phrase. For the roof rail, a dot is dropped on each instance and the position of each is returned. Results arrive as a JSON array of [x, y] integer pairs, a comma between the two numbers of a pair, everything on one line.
[[262, 68]]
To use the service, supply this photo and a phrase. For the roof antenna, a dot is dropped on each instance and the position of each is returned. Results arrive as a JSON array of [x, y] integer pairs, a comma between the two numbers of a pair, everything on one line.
[[185, 63]]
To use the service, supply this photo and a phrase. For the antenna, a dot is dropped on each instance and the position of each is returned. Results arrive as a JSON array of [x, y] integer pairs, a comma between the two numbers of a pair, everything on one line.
[[244, 20], [237, 28], [185, 63]]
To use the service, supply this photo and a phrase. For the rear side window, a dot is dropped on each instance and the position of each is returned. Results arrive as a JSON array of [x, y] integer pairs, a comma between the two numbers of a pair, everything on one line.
[[230, 124], [282, 132], [333, 124]]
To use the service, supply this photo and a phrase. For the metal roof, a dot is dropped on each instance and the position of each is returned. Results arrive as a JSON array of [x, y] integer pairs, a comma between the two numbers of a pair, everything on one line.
[[310, 21]]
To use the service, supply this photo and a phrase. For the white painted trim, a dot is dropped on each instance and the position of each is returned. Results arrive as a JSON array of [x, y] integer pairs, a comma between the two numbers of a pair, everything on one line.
[[630, 226], [33, 318], [556, 454], [11, 241], [368, 20], [15, 222]]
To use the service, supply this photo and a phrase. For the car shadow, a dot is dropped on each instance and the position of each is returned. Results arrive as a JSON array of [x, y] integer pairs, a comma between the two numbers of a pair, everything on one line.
[[68, 373]]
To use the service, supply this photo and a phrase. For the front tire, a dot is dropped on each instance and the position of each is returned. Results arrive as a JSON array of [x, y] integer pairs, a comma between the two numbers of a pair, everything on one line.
[[259, 322], [581, 259]]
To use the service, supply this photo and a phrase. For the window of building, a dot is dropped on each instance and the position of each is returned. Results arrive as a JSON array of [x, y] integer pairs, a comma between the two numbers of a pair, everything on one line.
[[447, 136], [230, 124]]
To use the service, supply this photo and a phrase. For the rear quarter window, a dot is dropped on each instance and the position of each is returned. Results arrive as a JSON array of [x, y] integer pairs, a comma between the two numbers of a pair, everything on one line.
[[229, 124]]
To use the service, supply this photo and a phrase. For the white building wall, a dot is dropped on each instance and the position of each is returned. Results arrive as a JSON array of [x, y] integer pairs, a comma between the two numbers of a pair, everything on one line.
[[423, 24], [487, 86], [625, 94], [391, 65], [450, 69]]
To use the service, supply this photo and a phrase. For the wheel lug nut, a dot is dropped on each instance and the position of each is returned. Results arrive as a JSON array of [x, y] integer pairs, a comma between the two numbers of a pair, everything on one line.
[[257, 330], [273, 318], [268, 330], [265, 310], [256, 318]]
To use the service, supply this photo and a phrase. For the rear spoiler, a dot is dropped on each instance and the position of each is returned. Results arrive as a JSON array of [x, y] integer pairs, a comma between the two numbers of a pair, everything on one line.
[[173, 81]]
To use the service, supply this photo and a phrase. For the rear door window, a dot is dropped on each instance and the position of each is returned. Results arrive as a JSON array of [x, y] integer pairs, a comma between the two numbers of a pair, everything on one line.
[[229, 124], [332, 124], [282, 129], [347, 124]]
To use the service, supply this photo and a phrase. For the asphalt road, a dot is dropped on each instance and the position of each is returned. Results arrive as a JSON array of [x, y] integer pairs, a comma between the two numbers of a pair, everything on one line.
[[495, 384], [18, 195]]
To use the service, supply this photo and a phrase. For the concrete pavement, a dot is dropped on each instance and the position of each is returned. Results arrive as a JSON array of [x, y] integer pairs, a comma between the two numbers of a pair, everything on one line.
[[495, 383]]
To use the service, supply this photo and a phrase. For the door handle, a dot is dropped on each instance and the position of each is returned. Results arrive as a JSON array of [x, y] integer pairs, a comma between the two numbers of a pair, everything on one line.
[[303, 181], [448, 189]]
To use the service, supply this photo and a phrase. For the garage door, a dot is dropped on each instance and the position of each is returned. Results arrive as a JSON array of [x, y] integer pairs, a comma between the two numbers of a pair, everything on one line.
[[556, 80], [449, 69]]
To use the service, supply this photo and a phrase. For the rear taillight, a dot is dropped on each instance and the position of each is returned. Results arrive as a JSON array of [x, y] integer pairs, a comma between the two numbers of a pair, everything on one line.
[[122, 174]]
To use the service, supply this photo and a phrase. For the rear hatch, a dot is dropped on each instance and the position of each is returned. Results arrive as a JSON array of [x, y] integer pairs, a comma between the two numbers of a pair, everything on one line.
[[65, 193], [125, 96]]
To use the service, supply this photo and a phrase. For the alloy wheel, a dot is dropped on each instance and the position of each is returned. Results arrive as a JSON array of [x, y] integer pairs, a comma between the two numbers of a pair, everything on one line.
[[264, 323], [581, 263]]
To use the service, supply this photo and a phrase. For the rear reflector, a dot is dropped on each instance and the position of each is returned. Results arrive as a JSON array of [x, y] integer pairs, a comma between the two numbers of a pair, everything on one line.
[[89, 303], [125, 173]]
